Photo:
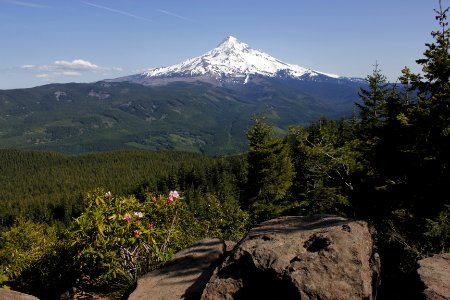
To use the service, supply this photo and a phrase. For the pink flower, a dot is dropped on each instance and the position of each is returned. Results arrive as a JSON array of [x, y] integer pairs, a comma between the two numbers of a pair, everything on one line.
[[150, 226], [108, 195], [127, 217], [138, 215], [174, 194], [136, 233], [154, 199]]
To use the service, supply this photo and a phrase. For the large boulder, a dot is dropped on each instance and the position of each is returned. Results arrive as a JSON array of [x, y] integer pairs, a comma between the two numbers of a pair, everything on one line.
[[318, 257], [184, 276], [434, 273], [13, 295]]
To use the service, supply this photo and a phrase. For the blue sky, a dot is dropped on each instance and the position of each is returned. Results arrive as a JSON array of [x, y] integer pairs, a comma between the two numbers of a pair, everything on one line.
[[83, 41]]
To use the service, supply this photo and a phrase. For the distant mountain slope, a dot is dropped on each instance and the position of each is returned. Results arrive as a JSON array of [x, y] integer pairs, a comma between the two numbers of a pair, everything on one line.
[[204, 104], [231, 61], [201, 117]]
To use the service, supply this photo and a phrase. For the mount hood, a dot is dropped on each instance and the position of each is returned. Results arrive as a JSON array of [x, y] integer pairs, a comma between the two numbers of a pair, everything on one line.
[[231, 61]]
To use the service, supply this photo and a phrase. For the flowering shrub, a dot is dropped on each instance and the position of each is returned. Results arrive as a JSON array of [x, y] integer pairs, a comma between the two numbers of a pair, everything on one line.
[[119, 237], [115, 240]]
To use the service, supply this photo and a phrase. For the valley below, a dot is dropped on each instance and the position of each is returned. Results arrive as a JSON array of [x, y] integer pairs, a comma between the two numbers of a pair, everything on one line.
[[185, 116]]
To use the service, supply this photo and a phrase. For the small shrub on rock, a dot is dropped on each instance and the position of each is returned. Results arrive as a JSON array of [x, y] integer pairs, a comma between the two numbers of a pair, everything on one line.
[[118, 238]]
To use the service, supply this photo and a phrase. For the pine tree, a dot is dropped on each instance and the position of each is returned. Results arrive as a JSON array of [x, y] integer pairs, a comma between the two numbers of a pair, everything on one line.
[[270, 167], [324, 161], [430, 117], [372, 112], [372, 108], [407, 181], [409, 167]]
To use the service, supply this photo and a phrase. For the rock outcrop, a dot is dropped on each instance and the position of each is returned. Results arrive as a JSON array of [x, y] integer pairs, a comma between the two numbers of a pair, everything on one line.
[[13, 295], [434, 273], [318, 257], [184, 276]]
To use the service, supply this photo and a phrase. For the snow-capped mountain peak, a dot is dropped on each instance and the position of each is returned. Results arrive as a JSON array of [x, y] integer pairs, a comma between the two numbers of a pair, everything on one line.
[[233, 59], [231, 43]]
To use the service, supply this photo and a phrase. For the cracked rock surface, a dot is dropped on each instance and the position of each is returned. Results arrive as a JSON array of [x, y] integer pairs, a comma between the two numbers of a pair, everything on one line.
[[317, 257]]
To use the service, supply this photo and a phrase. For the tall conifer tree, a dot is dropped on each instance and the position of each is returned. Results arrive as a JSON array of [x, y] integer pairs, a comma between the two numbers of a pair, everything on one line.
[[270, 167], [429, 116]]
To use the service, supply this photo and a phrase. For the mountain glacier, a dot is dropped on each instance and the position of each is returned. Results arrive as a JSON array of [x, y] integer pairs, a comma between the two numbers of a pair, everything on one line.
[[232, 60]]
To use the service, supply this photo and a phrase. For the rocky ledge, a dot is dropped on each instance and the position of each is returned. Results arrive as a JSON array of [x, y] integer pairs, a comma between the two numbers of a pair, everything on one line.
[[434, 272], [13, 295], [318, 257], [184, 276]]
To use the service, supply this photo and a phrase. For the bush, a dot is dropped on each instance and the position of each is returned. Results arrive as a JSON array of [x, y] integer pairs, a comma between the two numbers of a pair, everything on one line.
[[114, 241], [22, 245], [118, 238], [439, 231], [218, 219]]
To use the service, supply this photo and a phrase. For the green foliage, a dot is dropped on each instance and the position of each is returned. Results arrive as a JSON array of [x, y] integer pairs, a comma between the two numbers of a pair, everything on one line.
[[51, 275], [325, 159], [80, 118], [263, 211], [406, 147], [372, 114], [406, 152], [121, 237], [35, 259], [215, 218], [373, 106], [439, 230], [389, 165], [23, 244], [430, 116], [3, 279], [49, 187], [270, 166], [117, 239]]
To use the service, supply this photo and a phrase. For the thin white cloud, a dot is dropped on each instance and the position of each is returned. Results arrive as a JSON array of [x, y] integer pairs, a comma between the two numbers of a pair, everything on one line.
[[28, 67], [65, 68], [77, 64], [169, 13], [36, 68], [64, 65], [116, 11], [24, 4], [70, 73], [53, 75]]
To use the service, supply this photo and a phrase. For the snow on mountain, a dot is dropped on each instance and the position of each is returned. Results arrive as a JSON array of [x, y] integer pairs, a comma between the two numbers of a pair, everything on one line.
[[234, 59]]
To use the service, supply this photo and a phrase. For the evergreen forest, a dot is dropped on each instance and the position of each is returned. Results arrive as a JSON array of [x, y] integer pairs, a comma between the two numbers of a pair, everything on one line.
[[104, 219]]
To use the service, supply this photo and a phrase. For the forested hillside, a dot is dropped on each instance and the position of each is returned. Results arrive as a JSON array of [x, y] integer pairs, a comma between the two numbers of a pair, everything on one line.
[[200, 117], [49, 187]]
